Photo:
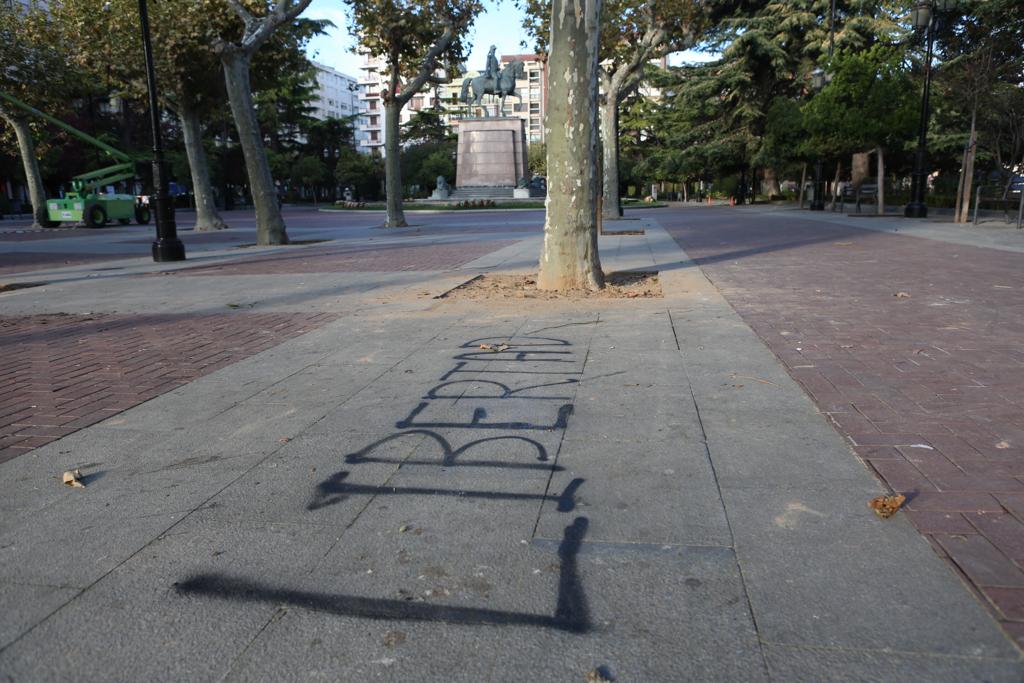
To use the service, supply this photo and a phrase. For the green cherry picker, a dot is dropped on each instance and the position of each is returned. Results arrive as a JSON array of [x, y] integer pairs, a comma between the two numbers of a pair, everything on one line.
[[86, 202]]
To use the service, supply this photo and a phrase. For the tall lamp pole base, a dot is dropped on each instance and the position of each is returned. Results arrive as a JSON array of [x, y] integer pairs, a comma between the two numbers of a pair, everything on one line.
[[818, 203], [915, 210], [168, 250]]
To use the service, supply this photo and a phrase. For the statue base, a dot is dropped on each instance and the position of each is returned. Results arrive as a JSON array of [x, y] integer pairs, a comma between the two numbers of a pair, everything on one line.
[[491, 152]]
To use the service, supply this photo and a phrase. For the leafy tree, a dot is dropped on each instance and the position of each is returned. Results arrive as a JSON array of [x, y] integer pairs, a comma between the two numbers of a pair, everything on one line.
[[977, 92], [633, 32], [362, 172], [716, 116], [236, 54], [423, 163], [309, 171], [426, 125], [868, 104], [569, 257], [416, 39], [326, 140], [35, 71]]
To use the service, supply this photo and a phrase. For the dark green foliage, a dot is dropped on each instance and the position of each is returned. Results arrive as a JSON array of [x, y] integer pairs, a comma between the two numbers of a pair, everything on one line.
[[364, 173], [869, 103], [423, 163]]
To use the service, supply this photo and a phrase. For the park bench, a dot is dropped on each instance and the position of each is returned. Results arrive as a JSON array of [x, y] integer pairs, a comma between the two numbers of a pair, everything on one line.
[[1006, 197], [854, 195]]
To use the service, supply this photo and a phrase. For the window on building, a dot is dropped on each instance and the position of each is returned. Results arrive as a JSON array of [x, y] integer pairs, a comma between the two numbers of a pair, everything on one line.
[[374, 120], [374, 136], [535, 107], [373, 105], [519, 107], [534, 76]]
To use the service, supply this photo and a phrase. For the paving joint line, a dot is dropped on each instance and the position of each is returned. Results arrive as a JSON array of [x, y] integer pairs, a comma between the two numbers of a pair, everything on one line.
[[725, 511]]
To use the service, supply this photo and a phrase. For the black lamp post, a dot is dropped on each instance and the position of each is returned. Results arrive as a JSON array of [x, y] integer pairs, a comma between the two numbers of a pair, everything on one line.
[[819, 79], [167, 246], [924, 16]]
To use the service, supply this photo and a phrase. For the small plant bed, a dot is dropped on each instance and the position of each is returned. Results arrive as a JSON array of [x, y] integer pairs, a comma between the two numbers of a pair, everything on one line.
[[623, 285]]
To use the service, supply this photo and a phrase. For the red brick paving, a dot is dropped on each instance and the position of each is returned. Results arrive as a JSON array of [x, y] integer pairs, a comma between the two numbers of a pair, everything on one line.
[[20, 262], [362, 258], [929, 389], [60, 373]]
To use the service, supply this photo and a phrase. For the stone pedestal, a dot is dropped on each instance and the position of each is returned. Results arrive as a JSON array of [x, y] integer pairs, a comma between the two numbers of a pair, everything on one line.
[[492, 152]]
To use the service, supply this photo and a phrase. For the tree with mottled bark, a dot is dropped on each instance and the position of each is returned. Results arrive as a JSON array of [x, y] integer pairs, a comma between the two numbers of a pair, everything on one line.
[[633, 33], [421, 44], [569, 258], [33, 69], [236, 56], [108, 46]]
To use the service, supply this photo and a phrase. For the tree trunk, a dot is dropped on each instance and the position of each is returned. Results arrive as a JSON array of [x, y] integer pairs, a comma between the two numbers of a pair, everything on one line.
[[569, 257], [881, 181], [207, 217], [33, 178], [835, 185], [771, 183], [393, 164], [270, 228], [803, 181], [972, 151], [610, 148]]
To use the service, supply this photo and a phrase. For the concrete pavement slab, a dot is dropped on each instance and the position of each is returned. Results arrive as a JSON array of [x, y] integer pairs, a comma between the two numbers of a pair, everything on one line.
[[382, 498]]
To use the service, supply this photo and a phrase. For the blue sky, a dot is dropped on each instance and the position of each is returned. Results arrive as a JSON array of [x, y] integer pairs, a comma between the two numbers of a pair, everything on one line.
[[500, 25]]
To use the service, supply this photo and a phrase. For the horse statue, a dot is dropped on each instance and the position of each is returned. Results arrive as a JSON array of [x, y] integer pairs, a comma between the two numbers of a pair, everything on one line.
[[483, 85]]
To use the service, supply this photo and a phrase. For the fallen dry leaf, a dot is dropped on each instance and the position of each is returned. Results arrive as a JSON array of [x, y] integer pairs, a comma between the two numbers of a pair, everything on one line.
[[886, 506], [73, 478], [596, 676], [284, 440], [902, 295], [1003, 445]]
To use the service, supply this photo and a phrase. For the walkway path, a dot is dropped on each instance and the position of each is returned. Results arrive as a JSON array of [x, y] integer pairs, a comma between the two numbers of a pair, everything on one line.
[[634, 486], [914, 348]]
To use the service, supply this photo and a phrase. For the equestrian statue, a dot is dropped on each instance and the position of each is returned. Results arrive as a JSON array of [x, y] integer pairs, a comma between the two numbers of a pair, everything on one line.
[[493, 82]]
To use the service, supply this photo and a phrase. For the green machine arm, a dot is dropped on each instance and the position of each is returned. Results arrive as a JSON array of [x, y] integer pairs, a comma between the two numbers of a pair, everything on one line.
[[85, 137]]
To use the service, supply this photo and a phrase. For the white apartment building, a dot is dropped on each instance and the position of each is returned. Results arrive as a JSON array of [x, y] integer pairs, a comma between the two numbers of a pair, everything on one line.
[[337, 94], [370, 129]]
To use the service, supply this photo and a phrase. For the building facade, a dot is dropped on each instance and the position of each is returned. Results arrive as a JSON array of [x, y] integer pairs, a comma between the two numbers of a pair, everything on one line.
[[337, 94]]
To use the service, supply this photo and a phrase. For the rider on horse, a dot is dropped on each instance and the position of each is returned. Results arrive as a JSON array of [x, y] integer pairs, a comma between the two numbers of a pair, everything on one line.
[[493, 68]]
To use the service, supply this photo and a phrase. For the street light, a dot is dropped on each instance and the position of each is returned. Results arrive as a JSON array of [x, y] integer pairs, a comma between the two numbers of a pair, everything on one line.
[[819, 79], [167, 246], [924, 16]]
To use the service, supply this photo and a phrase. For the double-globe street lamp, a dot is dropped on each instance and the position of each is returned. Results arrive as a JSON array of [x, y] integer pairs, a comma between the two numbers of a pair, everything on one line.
[[819, 79], [925, 17]]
